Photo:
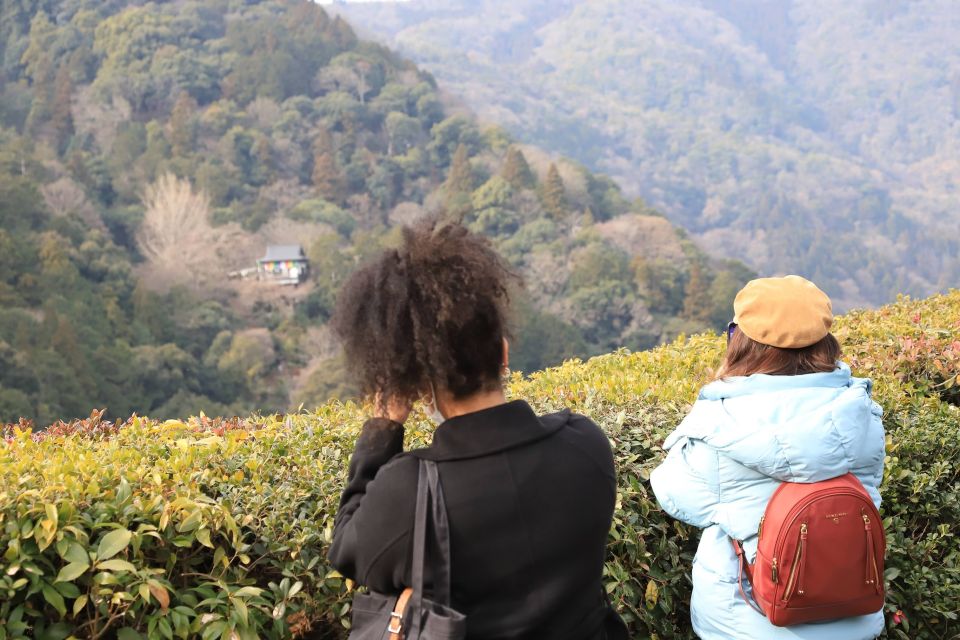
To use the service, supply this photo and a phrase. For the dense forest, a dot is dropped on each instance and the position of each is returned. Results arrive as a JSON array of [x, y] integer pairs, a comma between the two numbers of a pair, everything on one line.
[[797, 135], [148, 150]]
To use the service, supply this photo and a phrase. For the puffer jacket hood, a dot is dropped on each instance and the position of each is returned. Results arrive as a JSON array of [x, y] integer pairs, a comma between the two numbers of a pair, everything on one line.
[[743, 437], [792, 428]]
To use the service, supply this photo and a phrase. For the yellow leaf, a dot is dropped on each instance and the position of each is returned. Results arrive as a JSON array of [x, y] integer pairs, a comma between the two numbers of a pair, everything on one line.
[[652, 594]]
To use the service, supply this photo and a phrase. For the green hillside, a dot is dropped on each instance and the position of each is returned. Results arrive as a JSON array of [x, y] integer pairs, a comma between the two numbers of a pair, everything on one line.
[[148, 150], [207, 528], [795, 135]]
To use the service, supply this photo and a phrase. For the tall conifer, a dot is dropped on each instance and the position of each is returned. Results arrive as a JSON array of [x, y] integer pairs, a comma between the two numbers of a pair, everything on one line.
[[516, 171], [460, 178], [61, 116], [554, 195], [327, 176], [697, 304]]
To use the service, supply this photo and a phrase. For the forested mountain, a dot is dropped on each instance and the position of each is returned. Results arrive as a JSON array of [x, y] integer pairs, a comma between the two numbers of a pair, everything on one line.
[[798, 135], [148, 150]]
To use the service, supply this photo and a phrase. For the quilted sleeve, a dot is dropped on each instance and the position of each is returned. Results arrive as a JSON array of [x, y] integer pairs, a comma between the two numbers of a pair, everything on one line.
[[686, 482]]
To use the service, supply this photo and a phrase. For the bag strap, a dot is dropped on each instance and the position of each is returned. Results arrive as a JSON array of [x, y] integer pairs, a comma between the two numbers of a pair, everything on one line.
[[396, 618], [431, 509], [744, 569], [441, 532]]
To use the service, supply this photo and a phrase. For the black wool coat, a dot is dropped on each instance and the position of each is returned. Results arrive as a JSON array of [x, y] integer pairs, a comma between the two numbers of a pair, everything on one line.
[[530, 502]]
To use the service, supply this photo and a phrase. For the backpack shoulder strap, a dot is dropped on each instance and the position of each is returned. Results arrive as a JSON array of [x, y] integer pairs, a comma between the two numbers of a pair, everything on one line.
[[744, 569]]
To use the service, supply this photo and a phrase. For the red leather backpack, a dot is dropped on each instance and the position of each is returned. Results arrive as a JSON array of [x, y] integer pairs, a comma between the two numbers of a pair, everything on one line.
[[820, 553]]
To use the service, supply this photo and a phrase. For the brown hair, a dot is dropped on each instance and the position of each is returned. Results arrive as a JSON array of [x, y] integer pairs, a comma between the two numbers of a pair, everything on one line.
[[746, 356], [432, 311]]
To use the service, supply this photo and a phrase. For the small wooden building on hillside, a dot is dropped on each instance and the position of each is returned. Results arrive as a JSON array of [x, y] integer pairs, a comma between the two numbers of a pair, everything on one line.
[[283, 264]]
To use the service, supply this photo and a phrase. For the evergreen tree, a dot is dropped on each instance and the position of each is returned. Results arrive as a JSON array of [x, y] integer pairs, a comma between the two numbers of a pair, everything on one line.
[[342, 34], [459, 185], [327, 177], [263, 168], [516, 171], [554, 195], [588, 218], [182, 130], [65, 342], [697, 302], [460, 178], [61, 118]]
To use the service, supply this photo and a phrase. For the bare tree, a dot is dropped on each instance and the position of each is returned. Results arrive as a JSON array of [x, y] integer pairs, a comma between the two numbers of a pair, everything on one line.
[[101, 120], [176, 236], [64, 197]]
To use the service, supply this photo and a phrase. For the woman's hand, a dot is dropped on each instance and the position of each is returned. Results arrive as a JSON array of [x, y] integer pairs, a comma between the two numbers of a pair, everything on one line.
[[395, 408]]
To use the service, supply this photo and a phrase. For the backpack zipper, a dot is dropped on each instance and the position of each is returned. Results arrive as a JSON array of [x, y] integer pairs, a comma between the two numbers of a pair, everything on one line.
[[803, 560], [797, 563], [872, 573]]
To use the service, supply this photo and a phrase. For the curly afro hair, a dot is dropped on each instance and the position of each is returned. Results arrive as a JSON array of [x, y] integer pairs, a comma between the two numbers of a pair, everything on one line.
[[433, 311]]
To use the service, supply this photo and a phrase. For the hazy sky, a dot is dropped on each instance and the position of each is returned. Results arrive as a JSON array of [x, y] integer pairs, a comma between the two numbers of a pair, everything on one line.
[[353, 1]]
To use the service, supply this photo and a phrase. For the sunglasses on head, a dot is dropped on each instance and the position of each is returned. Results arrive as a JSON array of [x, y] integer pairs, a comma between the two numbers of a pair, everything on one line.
[[731, 327]]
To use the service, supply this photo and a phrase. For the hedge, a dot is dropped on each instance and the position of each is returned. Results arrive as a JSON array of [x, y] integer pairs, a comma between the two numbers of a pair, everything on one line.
[[212, 528]]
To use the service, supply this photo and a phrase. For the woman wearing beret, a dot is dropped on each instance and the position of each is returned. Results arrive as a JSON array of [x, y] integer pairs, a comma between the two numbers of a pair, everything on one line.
[[783, 408], [529, 497]]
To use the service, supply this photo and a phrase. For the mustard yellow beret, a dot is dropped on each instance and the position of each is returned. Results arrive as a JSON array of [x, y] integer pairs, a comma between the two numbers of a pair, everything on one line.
[[789, 312]]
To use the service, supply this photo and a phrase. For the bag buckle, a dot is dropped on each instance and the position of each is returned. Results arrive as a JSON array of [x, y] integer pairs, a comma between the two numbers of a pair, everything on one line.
[[395, 618]]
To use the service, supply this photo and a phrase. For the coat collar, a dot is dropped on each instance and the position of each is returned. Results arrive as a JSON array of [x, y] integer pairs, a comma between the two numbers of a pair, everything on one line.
[[489, 431], [762, 383]]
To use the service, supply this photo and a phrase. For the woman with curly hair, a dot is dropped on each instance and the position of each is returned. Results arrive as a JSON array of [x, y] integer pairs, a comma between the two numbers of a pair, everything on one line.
[[529, 498]]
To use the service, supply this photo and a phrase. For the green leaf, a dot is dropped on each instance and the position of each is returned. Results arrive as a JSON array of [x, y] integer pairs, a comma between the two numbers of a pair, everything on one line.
[[214, 629], [116, 565], [113, 543], [72, 571], [128, 633], [165, 629], [241, 608], [203, 537], [67, 589], [124, 491], [191, 522], [75, 553], [53, 598], [79, 604]]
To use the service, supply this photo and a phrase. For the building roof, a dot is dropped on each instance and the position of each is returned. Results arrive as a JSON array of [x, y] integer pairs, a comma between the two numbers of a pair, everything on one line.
[[283, 253]]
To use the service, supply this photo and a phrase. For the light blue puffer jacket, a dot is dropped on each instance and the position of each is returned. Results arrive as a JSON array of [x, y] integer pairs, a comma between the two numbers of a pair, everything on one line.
[[743, 437]]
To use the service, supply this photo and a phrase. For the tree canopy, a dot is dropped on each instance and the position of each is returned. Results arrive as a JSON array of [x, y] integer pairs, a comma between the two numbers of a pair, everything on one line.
[[147, 151]]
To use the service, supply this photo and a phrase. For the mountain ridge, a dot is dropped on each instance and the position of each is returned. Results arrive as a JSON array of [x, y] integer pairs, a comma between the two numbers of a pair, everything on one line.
[[794, 136]]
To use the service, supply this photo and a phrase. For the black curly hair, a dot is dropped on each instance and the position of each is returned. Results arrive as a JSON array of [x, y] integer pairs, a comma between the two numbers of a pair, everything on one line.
[[433, 311]]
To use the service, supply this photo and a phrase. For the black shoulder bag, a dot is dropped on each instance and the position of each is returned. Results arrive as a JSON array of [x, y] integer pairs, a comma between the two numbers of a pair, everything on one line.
[[411, 616]]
